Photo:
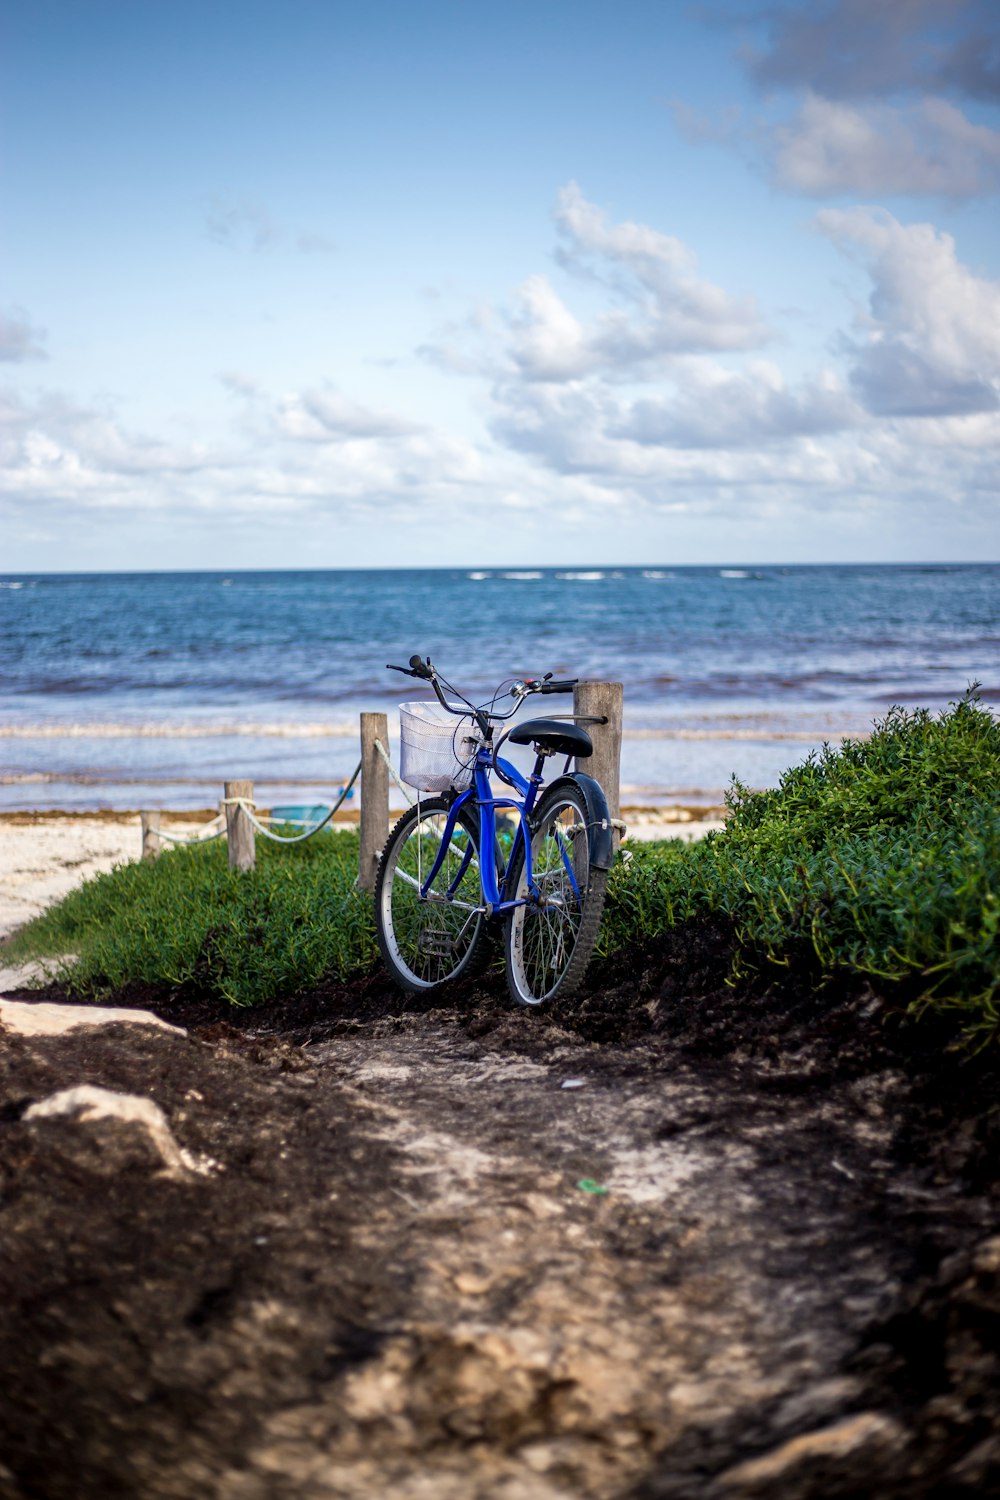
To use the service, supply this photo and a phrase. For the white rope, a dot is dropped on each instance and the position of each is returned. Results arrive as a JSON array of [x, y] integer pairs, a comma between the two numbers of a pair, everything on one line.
[[250, 808], [296, 838], [615, 823], [202, 837], [392, 772]]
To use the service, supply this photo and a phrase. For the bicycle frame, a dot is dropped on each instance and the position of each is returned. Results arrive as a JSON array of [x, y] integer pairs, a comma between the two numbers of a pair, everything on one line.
[[480, 794]]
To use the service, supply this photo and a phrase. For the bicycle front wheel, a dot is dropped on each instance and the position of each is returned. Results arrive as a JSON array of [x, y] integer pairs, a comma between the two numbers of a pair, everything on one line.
[[430, 937], [550, 939]]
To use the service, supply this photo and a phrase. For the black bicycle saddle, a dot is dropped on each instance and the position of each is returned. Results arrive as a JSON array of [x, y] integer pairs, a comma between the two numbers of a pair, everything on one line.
[[550, 734]]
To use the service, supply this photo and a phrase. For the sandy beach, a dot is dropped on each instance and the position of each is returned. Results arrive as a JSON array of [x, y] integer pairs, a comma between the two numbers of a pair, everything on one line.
[[43, 856]]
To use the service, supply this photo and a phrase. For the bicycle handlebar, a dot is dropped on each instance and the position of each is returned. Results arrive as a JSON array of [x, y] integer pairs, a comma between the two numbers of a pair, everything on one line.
[[417, 668], [424, 669]]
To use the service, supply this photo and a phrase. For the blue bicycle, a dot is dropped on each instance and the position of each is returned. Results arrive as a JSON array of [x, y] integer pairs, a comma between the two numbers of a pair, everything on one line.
[[464, 862]]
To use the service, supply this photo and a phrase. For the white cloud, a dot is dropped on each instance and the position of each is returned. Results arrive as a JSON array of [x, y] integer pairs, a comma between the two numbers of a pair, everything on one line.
[[60, 458], [830, 148], [629, 403], [711, 432], [57, 452], [868, 99], [667, 307], [19, 339], [461, 346], [246, 224], [660, 308], [916, 469], [326, 416], [548, 342], [930, 343], [714, 407], [238, 383], [240, 225], [589, 431], [624, 386]]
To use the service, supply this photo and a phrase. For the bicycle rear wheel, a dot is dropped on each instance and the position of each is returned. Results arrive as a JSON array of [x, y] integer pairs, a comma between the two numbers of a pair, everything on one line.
[[549, 940], [429, 939]]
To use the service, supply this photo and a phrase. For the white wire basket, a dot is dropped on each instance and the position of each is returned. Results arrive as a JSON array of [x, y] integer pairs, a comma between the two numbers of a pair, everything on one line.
[[436, 749]]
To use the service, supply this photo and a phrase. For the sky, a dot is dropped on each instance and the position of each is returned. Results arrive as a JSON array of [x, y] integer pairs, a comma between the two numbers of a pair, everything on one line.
[[303, 283]]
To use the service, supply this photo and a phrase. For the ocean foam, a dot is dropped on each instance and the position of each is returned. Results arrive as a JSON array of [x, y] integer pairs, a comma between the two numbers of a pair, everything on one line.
[[177, 731]]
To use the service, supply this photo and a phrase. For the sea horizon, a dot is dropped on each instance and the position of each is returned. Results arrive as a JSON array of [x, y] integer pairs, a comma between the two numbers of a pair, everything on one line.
[[504, 567], [149, 688]]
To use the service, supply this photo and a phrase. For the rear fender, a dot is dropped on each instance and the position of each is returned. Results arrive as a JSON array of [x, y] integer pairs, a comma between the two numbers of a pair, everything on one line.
[[600, 834]]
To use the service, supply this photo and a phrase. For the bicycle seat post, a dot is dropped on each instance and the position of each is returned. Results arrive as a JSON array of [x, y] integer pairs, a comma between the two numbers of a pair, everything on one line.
[[542, 754]]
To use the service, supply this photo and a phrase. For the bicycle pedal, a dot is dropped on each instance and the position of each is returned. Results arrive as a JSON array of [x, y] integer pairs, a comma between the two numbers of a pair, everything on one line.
[[435, 944]]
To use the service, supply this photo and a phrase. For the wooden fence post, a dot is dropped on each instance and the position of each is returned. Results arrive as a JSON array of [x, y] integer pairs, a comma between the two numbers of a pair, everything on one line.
[[603, 699], [151, 846], [374, 798], [239, 829]]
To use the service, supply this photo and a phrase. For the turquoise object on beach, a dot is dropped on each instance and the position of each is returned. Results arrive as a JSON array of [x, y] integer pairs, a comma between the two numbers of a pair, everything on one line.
[[305, 815]]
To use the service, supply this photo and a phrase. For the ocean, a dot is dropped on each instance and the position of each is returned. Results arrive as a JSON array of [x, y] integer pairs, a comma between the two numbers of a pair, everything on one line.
[[148, 690]]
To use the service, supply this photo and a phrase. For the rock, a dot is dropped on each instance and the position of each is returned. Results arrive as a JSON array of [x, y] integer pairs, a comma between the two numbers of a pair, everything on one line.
[[470, 1285], [793, 1468], [90, 1105], [43, 1019]]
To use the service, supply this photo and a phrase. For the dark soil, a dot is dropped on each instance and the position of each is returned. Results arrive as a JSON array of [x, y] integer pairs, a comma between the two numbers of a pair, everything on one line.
[[402, 1277]]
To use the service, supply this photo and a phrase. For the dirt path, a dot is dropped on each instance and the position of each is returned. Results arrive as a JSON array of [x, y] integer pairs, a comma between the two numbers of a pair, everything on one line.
[[518, 1265]]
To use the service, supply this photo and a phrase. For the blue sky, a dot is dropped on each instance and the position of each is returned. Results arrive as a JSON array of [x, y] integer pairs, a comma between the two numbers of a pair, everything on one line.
[[317, 284]]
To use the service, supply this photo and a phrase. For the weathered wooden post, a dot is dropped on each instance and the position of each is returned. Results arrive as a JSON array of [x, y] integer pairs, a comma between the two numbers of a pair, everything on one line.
[[239, 829], [603, 700], [151, 846], [374, 798]]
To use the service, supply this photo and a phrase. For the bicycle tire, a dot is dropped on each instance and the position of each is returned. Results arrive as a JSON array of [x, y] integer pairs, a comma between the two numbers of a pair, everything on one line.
[[549, 944], [428, 942]]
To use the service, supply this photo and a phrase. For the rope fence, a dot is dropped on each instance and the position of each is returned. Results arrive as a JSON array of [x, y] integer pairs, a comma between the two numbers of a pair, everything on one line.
[[246, 808], [295, 838], [203, 836], [598, 704]]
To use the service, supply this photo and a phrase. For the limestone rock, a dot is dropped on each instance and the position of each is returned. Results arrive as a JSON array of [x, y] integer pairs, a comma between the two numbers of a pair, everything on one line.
[[88, 1105], [42, 1019], [794, 1467]]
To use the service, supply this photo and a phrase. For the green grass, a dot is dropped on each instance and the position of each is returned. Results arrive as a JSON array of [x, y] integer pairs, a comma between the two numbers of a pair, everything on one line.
[[187, 919], [880, 858]]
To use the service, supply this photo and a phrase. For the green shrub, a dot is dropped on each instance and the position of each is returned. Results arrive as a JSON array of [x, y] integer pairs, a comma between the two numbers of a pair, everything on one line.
[[188, 919], [882, 857]]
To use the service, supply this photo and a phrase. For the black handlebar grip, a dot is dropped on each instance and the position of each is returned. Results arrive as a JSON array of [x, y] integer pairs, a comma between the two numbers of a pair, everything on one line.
[[420, 668], [565, 686]]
